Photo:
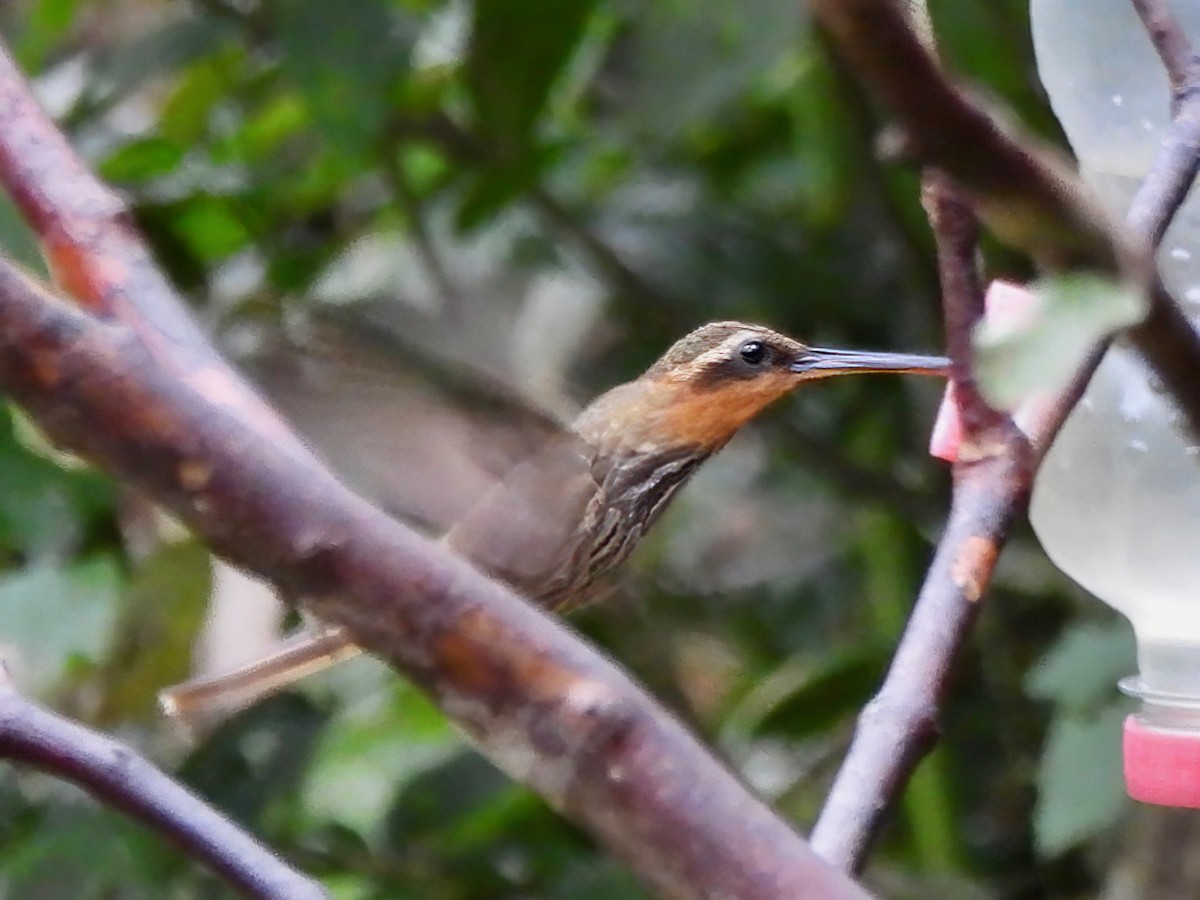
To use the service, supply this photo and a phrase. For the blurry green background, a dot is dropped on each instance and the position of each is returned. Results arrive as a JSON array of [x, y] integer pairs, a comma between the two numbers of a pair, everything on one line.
[[518, 203]]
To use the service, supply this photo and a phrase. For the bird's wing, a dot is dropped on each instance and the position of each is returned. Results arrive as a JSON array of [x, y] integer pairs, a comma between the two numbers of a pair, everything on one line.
[[422, 440], [527, 530]]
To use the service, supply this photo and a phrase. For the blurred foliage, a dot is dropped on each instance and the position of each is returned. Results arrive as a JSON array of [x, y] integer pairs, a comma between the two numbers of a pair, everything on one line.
[[536, 198], [1072, 313]]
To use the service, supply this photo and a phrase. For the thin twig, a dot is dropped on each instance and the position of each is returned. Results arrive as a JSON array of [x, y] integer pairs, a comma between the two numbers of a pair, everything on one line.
[[957, 234], [1171, 174], [899, 726], [1170, 40], [119, 777], [542, 705], [644, 301], [411, 208]]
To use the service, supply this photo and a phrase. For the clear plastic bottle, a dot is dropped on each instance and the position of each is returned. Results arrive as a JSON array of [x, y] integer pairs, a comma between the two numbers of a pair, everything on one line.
[[1117, 502]]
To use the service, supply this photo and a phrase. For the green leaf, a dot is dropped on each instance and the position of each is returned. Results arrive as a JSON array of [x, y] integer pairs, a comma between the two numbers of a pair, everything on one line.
[[256, 761], [53, 614], [184, 118], [1017, 359], [142, 160], [17, 239], [45, 509], [1081, 789], [488, 190], [447, 797], [209, 226], [79, 850], [45, 24], [800, 701], [822, 145], [175, 44], [386, 736], [163, 610], [596, 880], [277, 120], [518, 48], [487, 193], [345, 59], [1083, 667]]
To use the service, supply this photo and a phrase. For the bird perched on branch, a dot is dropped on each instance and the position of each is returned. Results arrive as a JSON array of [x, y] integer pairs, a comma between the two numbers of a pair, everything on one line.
[[561, 521]]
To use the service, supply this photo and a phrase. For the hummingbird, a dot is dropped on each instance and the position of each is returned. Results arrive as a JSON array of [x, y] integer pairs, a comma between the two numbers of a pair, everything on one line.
[[560, 522]]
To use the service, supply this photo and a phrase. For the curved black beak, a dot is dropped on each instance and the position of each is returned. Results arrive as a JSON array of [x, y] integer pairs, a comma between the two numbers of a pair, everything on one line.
[[823, 362]]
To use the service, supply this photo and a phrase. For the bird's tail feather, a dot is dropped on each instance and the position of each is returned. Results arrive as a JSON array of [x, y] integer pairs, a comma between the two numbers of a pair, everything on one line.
[[202, 701]]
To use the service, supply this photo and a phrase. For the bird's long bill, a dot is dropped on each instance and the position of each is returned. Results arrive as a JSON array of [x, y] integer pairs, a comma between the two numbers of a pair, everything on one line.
[[822, 362]]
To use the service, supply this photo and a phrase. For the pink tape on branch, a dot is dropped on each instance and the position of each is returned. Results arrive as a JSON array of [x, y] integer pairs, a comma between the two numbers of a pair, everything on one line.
[[947, 428], [1161, 767], [1009, 306]]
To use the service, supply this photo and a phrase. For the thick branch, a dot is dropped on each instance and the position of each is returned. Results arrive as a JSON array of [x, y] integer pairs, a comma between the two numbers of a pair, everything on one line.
[[121, 778], [181, 427], [95, 253], [1027, 194], [542, 705]]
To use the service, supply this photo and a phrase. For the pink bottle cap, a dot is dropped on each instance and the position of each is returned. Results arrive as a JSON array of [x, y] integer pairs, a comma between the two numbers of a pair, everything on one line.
[[1162, 766]]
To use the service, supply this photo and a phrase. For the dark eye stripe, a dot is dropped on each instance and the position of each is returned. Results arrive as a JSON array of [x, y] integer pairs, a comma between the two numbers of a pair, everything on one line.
[[732, 367]]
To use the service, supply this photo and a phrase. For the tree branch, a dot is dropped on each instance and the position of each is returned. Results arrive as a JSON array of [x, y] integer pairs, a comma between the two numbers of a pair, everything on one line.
[[119, 777], [957, 235], [992, 482], [547, 709], [1027, 194], [406, 200], [1169, 39], [96, 255], [1174, 169], [540, 703]]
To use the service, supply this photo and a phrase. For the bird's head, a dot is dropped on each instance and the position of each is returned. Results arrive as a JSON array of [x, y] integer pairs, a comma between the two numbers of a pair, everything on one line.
[[717, 378]]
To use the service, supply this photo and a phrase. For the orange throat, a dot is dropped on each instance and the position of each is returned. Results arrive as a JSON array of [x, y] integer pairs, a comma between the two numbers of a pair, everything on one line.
[[707, 419]]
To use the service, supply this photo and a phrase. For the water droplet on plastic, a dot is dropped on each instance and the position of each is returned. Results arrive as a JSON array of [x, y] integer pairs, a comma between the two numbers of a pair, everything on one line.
[[1138, 445], [1117, 99], [1181, 253], [1135, 401]]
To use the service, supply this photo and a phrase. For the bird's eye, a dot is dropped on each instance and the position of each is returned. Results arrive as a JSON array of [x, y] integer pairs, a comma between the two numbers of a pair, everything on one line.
[[753, 352]]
